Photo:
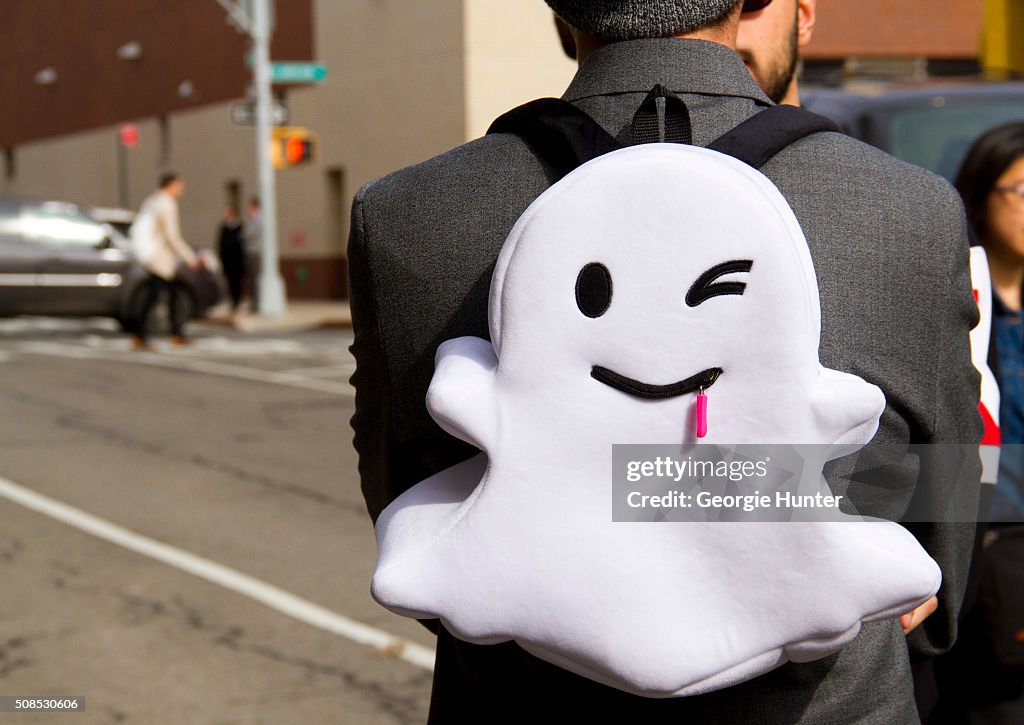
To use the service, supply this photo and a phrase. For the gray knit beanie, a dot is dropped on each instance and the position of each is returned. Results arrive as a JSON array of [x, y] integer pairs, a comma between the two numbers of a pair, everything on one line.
[[629, 19]]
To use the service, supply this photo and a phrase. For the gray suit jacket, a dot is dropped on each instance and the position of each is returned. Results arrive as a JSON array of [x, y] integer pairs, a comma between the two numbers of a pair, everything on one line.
[[889, 245]]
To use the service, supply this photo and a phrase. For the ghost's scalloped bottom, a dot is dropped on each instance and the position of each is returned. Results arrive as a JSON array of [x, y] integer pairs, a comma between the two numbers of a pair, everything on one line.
[[806, 650]]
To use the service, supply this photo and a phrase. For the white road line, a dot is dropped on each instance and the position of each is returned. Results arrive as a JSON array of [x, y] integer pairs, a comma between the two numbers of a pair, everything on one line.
[[260, 591], [76, 352], [57, 350]]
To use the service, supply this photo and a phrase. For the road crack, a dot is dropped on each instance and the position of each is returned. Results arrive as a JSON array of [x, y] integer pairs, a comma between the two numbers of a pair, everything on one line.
[[404, 708], [10, 550]]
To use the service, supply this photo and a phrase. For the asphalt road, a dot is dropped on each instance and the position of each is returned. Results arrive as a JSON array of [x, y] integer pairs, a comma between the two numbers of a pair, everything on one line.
[[200, 552]]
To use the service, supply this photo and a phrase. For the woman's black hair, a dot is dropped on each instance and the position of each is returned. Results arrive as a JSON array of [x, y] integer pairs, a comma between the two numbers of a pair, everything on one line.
[[990, 156]]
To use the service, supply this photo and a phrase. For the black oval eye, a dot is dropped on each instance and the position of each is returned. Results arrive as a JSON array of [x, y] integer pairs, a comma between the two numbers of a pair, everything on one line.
[[594, 290]]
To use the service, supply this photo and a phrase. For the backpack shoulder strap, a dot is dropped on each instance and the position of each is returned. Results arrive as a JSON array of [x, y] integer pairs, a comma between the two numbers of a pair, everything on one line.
[[765, 134], [559, 133], [565, 137]]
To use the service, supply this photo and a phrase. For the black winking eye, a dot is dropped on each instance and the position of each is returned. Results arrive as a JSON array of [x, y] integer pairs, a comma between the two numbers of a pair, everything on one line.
[[705, 287], [594, 290]]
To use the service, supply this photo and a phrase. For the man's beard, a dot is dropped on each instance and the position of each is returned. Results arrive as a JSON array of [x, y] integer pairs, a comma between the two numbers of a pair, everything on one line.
[[777, 73]]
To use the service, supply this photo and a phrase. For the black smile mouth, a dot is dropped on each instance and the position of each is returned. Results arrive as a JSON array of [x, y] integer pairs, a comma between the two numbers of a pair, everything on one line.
[[704, 379]]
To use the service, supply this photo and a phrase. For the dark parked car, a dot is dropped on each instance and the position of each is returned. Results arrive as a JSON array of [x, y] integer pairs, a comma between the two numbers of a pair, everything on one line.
[[56, 259], [931, 124]]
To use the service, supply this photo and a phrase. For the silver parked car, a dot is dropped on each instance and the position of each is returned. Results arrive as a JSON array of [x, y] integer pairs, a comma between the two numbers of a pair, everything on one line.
[[56, 259]]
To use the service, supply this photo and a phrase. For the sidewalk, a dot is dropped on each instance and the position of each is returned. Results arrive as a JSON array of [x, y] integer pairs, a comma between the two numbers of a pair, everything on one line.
[[300, 316]]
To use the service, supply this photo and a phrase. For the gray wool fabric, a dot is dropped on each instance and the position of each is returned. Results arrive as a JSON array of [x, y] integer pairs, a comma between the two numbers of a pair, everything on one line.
[[633, 19]]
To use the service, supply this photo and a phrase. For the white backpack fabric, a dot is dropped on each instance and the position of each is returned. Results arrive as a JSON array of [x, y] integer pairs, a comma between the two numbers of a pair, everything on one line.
[[519, 544]]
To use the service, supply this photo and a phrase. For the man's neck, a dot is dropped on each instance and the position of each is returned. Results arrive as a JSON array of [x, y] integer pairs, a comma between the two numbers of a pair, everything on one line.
[[1007, 279], [792, 97]]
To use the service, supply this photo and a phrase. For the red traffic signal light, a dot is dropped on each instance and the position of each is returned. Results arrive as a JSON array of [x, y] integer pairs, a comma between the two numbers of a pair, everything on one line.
[[291, 146], [297, 150]]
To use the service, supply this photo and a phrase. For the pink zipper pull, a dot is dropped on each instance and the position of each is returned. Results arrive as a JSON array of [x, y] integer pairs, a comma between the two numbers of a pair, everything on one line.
[[702, 414]]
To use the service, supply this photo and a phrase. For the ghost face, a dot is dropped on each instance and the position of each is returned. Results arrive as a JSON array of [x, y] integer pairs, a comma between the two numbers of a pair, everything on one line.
[[635, 293], [593, 297]]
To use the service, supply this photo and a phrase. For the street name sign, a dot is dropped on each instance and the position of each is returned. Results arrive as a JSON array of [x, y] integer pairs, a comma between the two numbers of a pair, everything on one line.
[[244, 114], [287, 72]]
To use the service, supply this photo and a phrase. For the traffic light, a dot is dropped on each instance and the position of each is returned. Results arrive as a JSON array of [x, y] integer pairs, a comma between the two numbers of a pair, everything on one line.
[[291, 146]]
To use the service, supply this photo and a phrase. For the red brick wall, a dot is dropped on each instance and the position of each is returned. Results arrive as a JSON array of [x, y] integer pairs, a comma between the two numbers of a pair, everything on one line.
[[316, 278], [897, 28]]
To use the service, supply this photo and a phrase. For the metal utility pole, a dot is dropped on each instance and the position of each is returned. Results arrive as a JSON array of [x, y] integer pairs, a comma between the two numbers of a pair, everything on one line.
[[254, 18], [271, 295]]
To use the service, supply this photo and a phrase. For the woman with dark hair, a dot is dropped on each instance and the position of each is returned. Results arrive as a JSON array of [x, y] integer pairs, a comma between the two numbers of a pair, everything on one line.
[[991, 182], [981, 681]]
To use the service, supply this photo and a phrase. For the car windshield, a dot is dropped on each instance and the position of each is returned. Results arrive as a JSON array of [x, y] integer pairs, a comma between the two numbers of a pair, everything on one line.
[[938, 137]]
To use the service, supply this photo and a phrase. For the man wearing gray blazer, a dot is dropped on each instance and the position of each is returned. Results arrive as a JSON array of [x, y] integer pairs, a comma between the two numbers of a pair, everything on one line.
[[889, 245]]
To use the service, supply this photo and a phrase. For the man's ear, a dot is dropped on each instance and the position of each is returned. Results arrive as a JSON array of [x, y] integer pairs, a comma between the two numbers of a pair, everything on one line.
[[806, 16], [565, 37]]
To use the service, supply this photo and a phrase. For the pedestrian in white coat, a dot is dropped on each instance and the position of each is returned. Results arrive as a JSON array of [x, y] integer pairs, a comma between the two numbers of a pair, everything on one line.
[[158, 226]]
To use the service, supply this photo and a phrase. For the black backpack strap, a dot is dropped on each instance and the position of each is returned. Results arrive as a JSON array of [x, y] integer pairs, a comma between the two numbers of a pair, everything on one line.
[[565, 137], [762, 136], [561, 134]]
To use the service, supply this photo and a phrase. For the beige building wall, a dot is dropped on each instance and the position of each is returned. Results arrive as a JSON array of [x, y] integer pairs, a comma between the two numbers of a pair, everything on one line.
[[209, 151], [393, 97], [407, 79], [513, 55], [71, 167]]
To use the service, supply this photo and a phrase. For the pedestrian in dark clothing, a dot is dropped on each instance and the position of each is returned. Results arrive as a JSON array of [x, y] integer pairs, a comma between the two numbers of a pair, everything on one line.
[[231, 248]]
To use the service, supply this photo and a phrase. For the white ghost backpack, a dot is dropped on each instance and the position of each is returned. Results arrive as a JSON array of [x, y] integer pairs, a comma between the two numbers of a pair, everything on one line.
[[640, 277]]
